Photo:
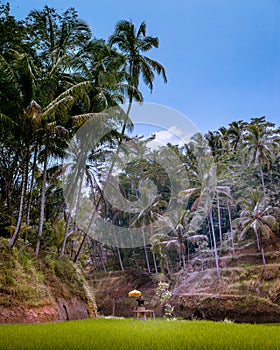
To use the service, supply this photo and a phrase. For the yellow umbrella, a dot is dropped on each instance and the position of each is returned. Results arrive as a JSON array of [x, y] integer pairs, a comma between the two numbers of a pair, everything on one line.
[[135, 293]]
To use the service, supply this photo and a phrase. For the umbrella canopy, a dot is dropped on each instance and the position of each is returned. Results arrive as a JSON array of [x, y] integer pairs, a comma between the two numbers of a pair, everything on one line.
[[135, 293]]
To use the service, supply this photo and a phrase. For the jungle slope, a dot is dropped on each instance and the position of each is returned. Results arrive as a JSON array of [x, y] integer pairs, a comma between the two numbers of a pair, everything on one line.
[[243, 294], [43, 290]]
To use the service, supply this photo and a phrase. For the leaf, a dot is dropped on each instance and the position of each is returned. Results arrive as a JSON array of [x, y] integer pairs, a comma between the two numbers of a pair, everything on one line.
[[270, 221], [243, 232], [196, 238], [267, 232]]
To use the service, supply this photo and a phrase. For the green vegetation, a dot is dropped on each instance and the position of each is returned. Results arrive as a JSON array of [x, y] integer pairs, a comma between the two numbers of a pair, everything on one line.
[[25, 281], [21, 281], [54, 76], [131, 334]]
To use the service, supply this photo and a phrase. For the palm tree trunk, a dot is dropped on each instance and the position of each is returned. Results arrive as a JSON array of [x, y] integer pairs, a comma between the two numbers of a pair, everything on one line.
[[9, 204], [120, 258], [105, 184], [214, 244], [258, 241], [219, 221], [43, 196], [183, 255], [155, 263], [59, 210], [145, 250], [264, 263], [31, 186], [262, 179], [184, 263], [210, 232], [92, 253], [10, 189], [231, 230], [15, 235], [66, 235], [100, 253]]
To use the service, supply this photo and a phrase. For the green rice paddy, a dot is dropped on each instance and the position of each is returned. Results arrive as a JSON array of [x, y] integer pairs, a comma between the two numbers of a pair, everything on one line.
[[132, 334]]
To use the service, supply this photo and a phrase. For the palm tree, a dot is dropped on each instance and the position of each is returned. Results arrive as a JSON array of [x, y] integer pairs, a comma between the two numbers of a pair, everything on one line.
[[31, 70], [20, 114], [51, 130], [31, 119], [179, 235], [58, 40], [101, 65], [145, 220], [218, 141], [236, 133], [203, 177], [131, 43], [258, 217], [261, 145]]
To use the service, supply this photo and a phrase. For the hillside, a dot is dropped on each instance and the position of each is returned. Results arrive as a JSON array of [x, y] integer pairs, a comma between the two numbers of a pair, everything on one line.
[[244, 293], [55, 290], [43, 290]]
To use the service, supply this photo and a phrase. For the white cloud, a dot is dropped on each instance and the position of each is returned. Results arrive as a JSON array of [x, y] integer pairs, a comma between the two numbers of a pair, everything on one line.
[[173, 135]]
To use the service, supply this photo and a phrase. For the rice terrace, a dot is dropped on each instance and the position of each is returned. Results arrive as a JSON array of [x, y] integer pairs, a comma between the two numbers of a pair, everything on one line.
[[139, 175]]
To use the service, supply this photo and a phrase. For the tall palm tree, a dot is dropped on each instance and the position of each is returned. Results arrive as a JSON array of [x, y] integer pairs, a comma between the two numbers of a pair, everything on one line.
[[259, 218], [101, 65], [51, 130], [31, 69], [145, 219], [131, 43], [261, 146], [218, 141], [204, 182], [57, 40], [236, 133], [179, 235], [31, 120], [19, 114]]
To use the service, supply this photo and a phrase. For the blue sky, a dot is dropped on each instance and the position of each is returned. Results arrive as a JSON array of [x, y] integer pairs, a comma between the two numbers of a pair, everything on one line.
[[222, 57]]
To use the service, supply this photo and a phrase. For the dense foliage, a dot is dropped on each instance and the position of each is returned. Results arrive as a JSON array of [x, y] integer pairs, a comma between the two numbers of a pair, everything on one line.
[[55, 76]]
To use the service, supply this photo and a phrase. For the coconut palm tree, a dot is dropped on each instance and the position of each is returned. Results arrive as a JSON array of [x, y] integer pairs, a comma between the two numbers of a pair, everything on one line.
[[27, 69], [176, 222], [132, 42], [51, 131], [31, 120], [20, 115], [236, 133], [145, 220], [261, 146], [259, 218], [218, 141], [101, 65], [203, 191], [57, 40]]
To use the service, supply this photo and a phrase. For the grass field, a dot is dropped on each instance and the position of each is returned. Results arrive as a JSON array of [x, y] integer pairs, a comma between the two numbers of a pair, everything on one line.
[[131, 334]]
